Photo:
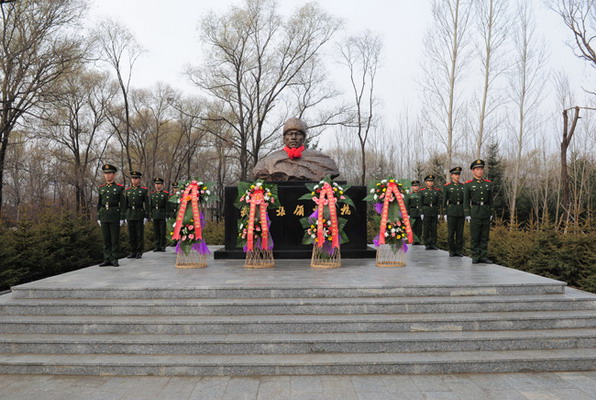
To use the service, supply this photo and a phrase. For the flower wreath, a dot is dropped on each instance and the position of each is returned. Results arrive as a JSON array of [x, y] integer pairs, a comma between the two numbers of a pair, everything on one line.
[[253, 225], [323, 227], [392, 218], [189, 221]]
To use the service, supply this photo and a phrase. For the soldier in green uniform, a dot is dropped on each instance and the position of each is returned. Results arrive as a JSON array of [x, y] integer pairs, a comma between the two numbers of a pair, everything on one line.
[[453, 204], [159, 212], [110, 215], [431, 202], [414, 208], [478, 208], [137, 214]]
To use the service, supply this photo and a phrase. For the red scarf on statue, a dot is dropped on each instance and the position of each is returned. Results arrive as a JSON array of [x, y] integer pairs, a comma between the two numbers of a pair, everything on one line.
[[294, 153]]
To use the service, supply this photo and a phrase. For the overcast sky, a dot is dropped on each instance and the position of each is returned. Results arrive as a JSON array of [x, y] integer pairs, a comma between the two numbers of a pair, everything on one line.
[[168, 31]]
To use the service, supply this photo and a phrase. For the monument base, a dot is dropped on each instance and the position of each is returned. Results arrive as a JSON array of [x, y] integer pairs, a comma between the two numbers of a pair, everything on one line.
[[286, 230]]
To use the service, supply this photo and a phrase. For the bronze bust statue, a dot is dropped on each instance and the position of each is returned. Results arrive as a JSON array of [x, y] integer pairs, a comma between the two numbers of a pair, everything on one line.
[[294, 162]]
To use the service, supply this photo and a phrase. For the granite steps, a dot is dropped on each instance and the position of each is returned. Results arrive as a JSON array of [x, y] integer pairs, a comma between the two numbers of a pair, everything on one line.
[[147, 318]]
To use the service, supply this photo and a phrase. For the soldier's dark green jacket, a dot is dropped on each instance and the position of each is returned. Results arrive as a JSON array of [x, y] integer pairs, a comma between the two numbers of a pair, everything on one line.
[[414, 204], [453, 199], [478, 198], [431, 201], [111, 203], [137, 203], [160, 205]]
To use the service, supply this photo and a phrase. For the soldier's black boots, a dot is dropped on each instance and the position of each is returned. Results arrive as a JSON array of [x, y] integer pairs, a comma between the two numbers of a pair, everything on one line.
[[105, 264]]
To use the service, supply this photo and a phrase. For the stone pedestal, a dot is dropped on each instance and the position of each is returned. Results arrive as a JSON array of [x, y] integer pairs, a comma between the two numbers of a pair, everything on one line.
[[286, 229]]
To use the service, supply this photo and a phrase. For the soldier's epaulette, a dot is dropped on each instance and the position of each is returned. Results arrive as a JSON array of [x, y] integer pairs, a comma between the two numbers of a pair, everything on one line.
[[422, 189], [486, 180], [166, 192], [447, 184], [143, 187], [118, 184], [128, 188], [102, 185], [469, 181], [437, 189]]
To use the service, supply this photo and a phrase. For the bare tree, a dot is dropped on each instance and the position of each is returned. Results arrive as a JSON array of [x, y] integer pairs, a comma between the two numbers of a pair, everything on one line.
[[526, 87], [361, 55], [580, 18], [446, 46], [35, 50], [73, 119], [253, 58], [492, 17], [119, 48]]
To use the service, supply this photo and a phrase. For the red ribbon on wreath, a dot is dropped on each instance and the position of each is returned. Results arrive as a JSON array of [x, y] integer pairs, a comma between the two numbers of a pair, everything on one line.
[[327, 197], [257, 199], [190, 193], [393, 193]]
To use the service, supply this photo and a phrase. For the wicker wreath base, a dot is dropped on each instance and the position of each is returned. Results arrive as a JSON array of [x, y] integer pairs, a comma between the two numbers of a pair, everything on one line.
[[322, 259], [259, 259], [386, 257], [191, 260]]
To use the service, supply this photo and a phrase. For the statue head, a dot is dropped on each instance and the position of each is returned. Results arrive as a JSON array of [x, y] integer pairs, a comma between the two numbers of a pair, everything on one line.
[[294, 133]]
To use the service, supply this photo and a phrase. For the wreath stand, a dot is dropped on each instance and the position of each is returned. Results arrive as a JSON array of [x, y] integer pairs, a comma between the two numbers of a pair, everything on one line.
[[191, 260], [388, 256], [323, 260], [259, 259]]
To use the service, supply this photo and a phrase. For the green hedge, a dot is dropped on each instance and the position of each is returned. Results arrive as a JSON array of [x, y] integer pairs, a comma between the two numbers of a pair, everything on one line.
[[50, 244]]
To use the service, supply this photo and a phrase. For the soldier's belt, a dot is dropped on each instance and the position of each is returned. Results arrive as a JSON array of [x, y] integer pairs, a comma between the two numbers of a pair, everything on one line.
[[108, 205], [479, 204], [454, 203], [134, 207]]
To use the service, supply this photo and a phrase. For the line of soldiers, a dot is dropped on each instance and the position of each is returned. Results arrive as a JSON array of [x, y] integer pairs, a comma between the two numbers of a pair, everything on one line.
[[133, 206], [471, 201]]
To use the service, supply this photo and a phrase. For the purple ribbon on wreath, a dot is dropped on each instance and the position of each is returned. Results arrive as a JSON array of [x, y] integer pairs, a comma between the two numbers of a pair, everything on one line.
[[200, 246]]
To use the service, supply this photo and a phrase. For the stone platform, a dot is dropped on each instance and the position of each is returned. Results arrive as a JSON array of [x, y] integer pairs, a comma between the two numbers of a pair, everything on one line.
[[436, 315]]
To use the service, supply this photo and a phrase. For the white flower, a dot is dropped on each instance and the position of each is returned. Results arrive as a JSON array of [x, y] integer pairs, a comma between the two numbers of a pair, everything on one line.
[[200, 183], [241, 226], [259, 183], [313, 236], [372, 190], [375, 197], [316, 187], [208, 192], [266, 198]]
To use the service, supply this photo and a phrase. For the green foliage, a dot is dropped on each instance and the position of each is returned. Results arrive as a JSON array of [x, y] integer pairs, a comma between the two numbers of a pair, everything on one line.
[[49, 244], [214, 232]]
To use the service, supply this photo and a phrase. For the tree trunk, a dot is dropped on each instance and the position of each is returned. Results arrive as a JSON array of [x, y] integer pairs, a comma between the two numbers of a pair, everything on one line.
[[567, 135]]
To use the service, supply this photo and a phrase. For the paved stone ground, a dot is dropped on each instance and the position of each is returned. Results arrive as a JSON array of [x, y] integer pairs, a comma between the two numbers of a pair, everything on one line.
[[424, 268], [518, 386]]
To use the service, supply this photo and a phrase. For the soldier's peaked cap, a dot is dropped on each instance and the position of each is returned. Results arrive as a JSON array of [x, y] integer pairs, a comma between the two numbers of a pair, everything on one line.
[[477, 163], [109, 168], [430, 178], [157, 180], [135, 174], [415, 182], [456, 170]]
